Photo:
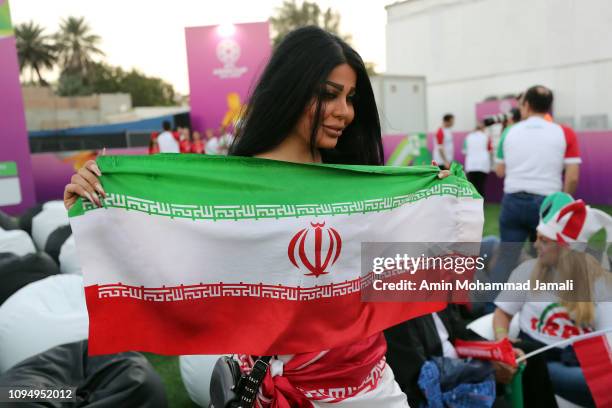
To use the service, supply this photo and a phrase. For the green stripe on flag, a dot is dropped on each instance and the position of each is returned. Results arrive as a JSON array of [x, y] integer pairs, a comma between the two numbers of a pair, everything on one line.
[[220, 187]]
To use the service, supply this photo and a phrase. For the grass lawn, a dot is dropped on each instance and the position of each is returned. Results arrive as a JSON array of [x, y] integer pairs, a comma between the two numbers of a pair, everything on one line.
[[168, 367]]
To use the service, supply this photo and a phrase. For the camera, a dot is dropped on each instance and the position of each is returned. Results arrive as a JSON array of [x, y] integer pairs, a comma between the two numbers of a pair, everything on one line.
[[514, 114]]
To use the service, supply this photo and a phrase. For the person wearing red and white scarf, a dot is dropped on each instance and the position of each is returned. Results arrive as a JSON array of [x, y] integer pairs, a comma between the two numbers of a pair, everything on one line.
[[565, 227], [353, 376]]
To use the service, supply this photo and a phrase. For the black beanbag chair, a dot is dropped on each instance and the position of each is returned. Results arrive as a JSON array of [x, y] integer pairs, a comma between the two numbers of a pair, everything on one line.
[[18, 271], [56, 240], [7, 222], [113, 380], [25, 221]]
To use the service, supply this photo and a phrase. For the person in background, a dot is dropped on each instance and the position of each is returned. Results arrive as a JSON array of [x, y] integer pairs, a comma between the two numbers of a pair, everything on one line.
[[443, 148], [477, 147], [177, 134], [514, 117], [548, 317], [412, 343], [184, 140], [166, 141], [153, 145], [197, 146], [531, 157], [212, 142], [226, 139]]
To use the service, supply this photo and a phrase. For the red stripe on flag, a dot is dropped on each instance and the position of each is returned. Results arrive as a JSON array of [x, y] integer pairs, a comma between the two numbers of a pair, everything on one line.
[[224, 325], [595, 358]]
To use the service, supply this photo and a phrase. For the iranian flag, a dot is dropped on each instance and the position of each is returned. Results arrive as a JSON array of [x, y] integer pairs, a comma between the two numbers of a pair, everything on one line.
[[214, 255]]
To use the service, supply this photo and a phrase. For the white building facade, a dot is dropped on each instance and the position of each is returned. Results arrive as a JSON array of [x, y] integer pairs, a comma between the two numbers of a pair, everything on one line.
[[469, 50]]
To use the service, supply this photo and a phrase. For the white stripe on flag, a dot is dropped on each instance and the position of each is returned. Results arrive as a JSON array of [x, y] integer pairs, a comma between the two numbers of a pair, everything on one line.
[[251, 251]]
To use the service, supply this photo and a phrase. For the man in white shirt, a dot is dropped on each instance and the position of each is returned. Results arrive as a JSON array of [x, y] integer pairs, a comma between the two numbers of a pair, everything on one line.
[[532, 156], [477, 148], [166, 141], [443, 148]]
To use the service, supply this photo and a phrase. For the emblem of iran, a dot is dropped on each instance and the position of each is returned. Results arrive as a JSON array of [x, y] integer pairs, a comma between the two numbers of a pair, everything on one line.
[[315, 248]]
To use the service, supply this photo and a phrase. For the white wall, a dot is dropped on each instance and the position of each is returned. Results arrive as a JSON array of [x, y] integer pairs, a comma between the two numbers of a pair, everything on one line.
[[44, 110], [401, 103], [472, 49]]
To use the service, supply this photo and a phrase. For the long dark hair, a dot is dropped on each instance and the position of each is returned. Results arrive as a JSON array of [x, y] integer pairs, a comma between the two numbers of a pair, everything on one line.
[[295, 74]]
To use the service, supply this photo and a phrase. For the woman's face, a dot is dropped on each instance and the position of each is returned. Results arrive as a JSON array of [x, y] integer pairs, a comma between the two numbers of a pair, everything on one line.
[[548, 250], [337, 111]]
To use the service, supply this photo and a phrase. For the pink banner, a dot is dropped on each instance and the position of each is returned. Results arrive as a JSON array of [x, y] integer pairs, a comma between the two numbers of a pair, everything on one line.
[[484, 109], [224, 62], [595, 172], [16, 184], [52, 171]]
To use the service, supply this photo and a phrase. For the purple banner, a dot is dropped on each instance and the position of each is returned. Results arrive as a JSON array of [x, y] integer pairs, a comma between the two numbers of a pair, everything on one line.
[[16, 184], [484, 109], [224, 62], [52, 171], [594, 186]]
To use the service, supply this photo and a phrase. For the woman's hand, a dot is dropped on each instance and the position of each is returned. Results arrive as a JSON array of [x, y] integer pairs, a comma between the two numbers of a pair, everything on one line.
[[443, 173], [519, 353], [84, 183], [503, 372]]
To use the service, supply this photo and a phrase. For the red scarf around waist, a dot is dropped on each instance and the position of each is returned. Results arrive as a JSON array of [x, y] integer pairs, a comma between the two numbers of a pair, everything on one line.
[[346, 370]]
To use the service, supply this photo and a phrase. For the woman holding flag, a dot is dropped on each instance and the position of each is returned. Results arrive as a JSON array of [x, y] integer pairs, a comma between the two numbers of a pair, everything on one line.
[[313, 104]]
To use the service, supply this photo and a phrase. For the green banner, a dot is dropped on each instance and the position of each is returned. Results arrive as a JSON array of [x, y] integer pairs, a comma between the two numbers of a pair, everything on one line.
[[6, 28], [8, 169], [411, 151]]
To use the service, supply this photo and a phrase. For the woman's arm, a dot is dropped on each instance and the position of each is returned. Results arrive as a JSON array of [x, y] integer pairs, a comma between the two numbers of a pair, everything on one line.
[[501, 323]]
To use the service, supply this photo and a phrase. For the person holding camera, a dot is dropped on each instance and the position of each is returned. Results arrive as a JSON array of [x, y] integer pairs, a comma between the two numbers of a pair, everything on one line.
[[532, 157]]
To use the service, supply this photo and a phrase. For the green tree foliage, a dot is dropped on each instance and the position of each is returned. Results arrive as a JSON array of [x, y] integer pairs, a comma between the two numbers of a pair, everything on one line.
[[74, 49], [291, 15], [76, 46], [104, 78], [34, 49], [147, 91], [72, 84]]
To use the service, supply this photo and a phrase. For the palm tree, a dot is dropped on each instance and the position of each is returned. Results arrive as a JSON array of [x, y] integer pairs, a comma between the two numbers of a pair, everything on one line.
[[34, 49], [291, 15], [76, 45]]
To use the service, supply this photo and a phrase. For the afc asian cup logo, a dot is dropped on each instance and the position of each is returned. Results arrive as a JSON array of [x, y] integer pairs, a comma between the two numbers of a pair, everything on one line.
[[228, 52], [327, 248]]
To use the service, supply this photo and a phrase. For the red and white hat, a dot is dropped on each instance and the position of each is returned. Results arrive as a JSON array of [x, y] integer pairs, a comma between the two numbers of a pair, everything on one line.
[[572, 222]]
